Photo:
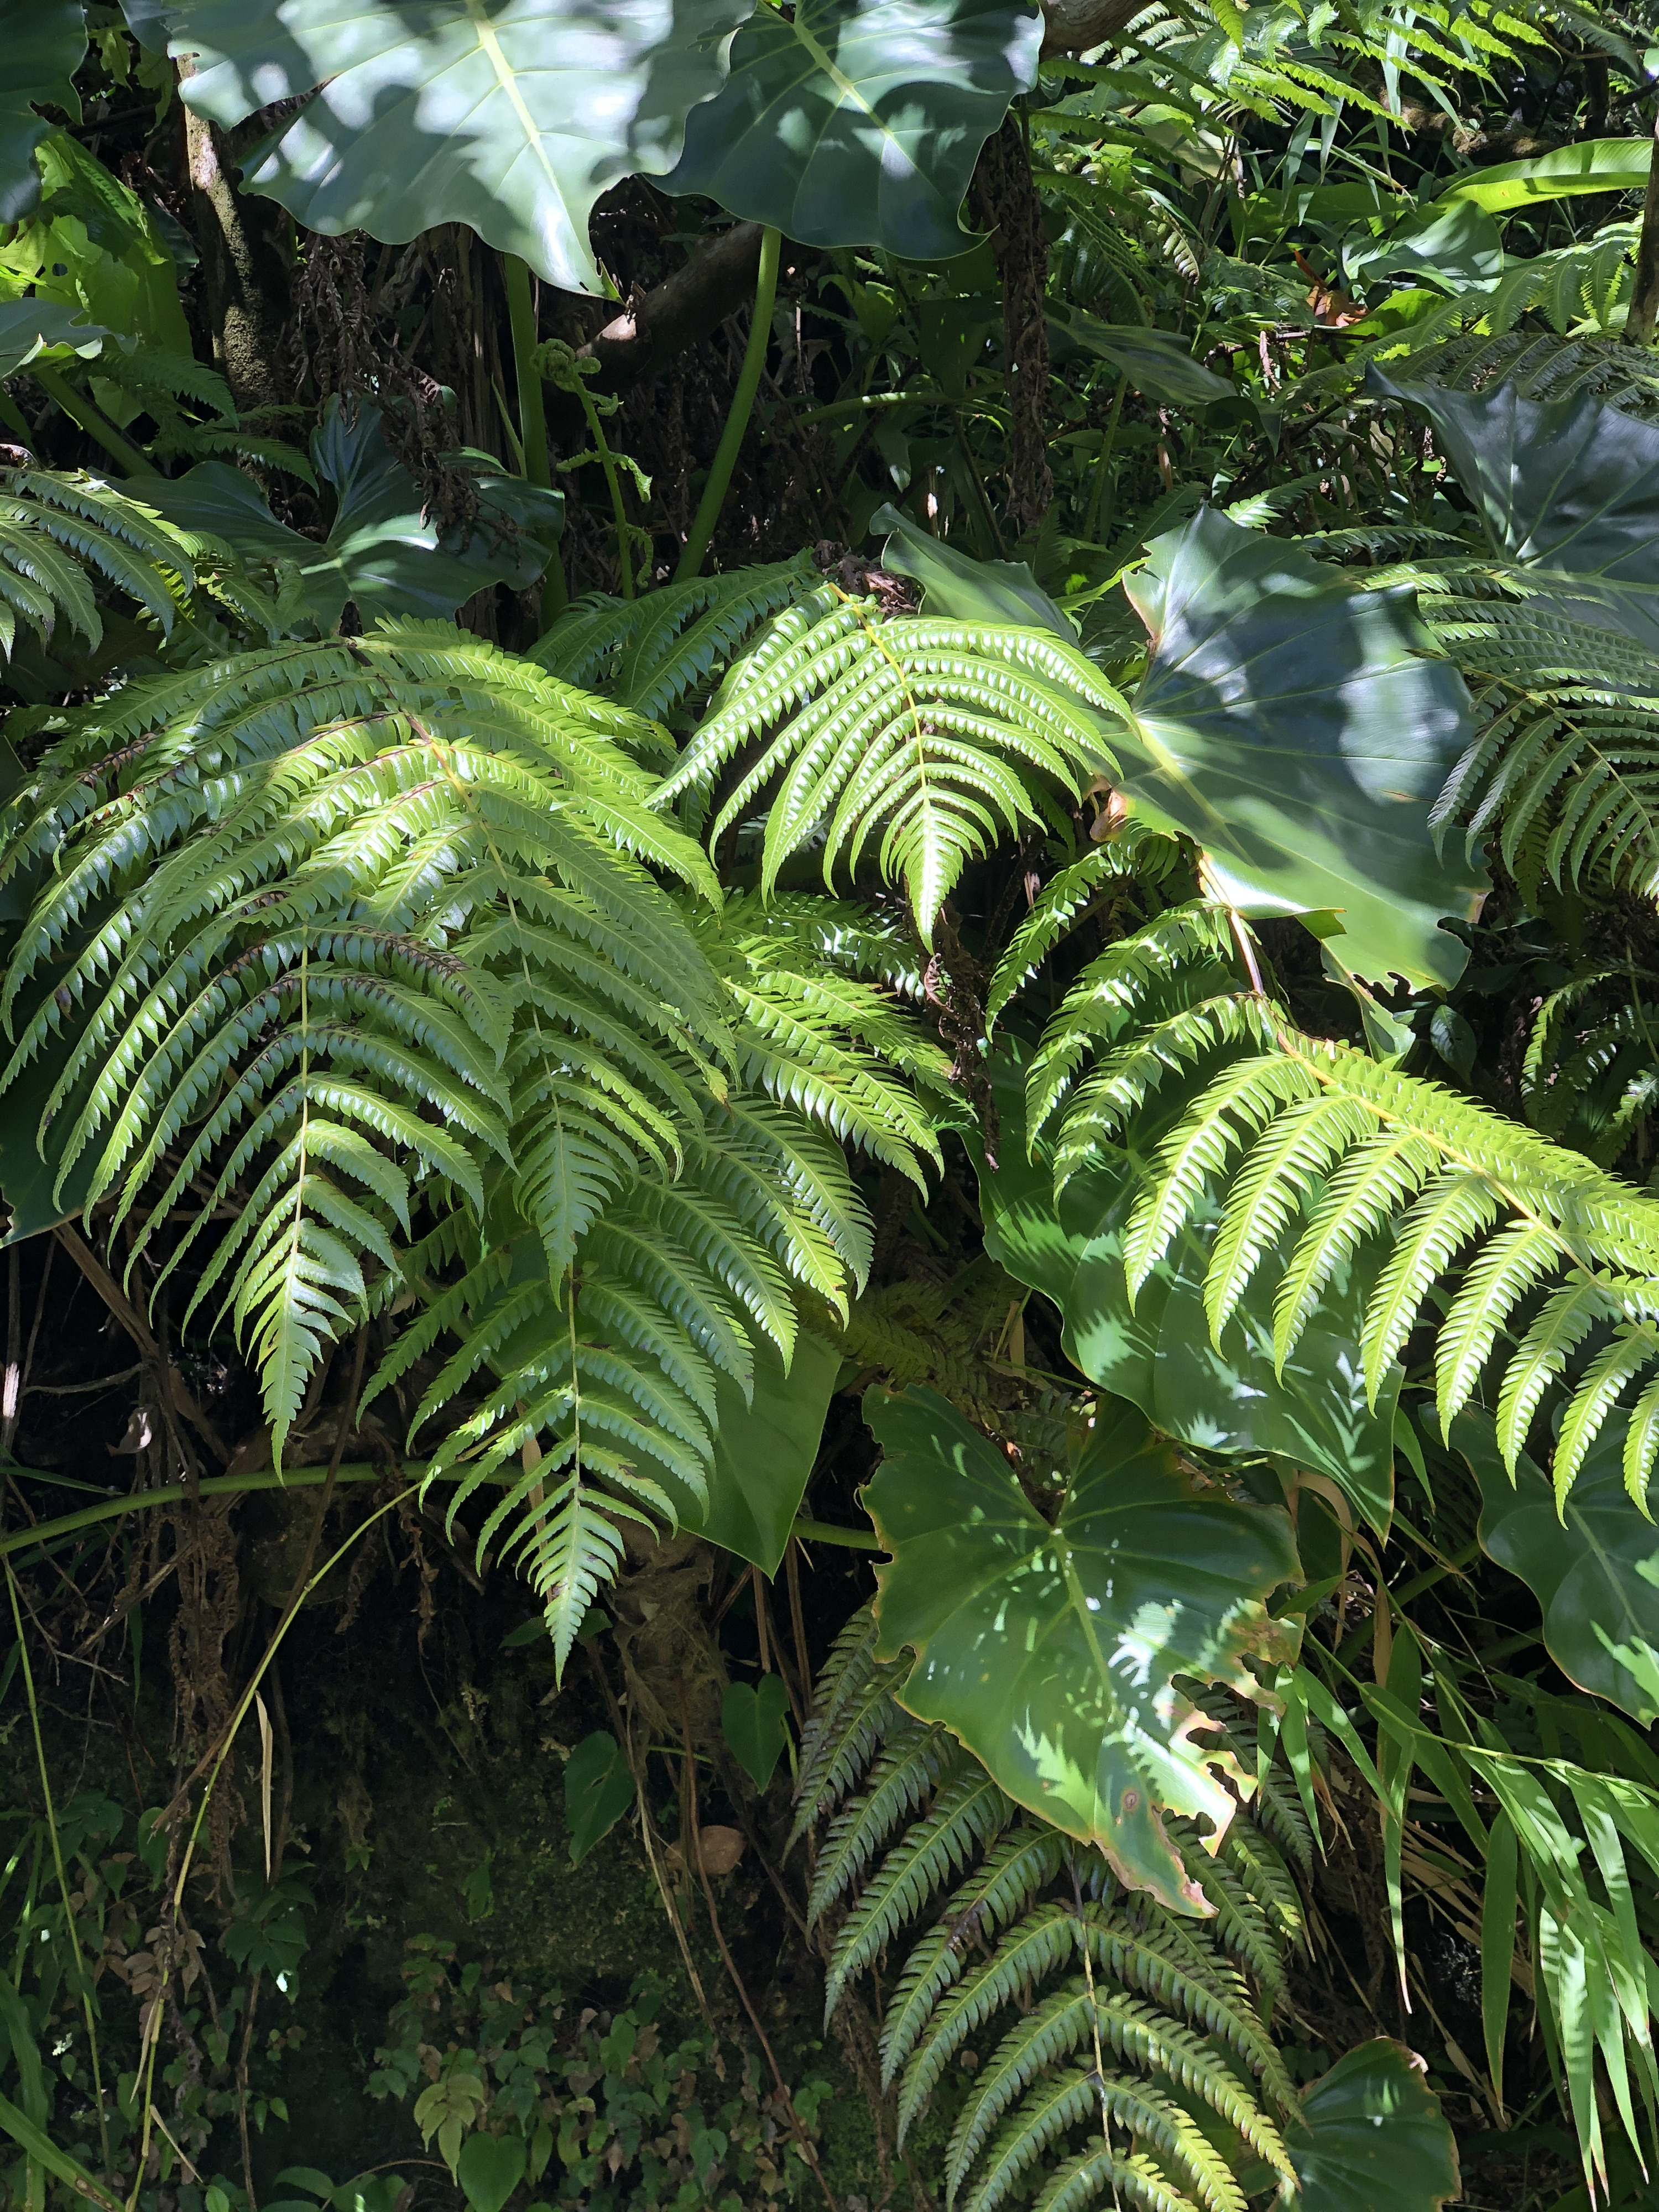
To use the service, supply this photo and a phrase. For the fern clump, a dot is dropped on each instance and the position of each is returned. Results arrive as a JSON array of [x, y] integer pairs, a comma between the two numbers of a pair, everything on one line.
[[370, 987], [1113, 2046]]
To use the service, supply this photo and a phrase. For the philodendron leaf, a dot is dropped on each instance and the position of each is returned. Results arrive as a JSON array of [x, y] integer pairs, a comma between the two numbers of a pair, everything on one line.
[[858, 122], [381, 551], [1566, 488], [511, 118], [1455, 245], [765, 1447], [31, 327], [1593, 1566], [46, 43], [1373, 2138], [1155, 362], [1229, 1398], [598, 1790], [1052, 1652], [752, 1720], [954, 583], [1299, 730]]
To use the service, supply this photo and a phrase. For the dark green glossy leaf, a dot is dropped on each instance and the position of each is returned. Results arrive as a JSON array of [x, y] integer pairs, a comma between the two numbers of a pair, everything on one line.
[[1299, 730], [45, 41], [380, 551], [752, 1720], [1053, 1651], [1566, 487], [1373, 2138], [954, 584], [31, 327], [858, 122], [598, 1790], [1593, 1566], [1454, 244], [763, 1452], [511, 118], [1313, 1418]]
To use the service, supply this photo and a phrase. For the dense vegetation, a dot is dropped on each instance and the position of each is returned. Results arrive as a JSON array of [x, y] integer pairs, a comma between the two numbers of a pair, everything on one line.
[[827, 912]]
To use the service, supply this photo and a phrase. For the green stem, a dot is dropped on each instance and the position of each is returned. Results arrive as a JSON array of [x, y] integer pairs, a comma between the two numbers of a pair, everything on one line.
[[217, 1485], [533, 416], [825, 1532], [80, 411], [596, 432], [58, 1861], [737, 423], [1092, 519]]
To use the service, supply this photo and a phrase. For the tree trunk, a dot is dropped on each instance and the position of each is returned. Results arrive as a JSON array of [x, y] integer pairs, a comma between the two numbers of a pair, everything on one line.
[[245, 268]]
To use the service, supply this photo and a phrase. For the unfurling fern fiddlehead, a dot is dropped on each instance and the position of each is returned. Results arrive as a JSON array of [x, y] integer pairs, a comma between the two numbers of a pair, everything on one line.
[[1113, 2046]]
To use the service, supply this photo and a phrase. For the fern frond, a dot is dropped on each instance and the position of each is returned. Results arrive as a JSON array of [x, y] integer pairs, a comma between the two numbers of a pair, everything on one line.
[[853, 1711], [927, 736], [1016, 1869], [967, 1813], [914, 1761], [655, 654], [1133, 852], [1083, 2098], [56, 525], [1316, 1138]]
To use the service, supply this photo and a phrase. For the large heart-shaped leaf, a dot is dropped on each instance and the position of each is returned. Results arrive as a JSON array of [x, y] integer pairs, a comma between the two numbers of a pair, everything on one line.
[[858, 122], [380, 551], [1373, 2138], [46, 42], [1593, 1566], [1300, 729], [1565, 486], [1052, 1651], [511, 116], [954, 583], [1313, 1418], [31, 327], [1455, 245]]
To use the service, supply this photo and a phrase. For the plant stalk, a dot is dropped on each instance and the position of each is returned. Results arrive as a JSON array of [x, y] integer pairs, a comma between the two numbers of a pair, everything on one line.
[[613, 481], [1643, 309], [81, 411], [737, 423], [532, 414]]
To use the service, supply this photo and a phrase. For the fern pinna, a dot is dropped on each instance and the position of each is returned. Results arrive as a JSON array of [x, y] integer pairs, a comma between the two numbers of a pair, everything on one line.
[[1113, 2048], [360, 981]]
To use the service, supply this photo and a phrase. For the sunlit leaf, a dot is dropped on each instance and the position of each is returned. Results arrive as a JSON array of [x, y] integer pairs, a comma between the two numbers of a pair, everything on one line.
[[858, 122], [1052, 1651], [511, 119]]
